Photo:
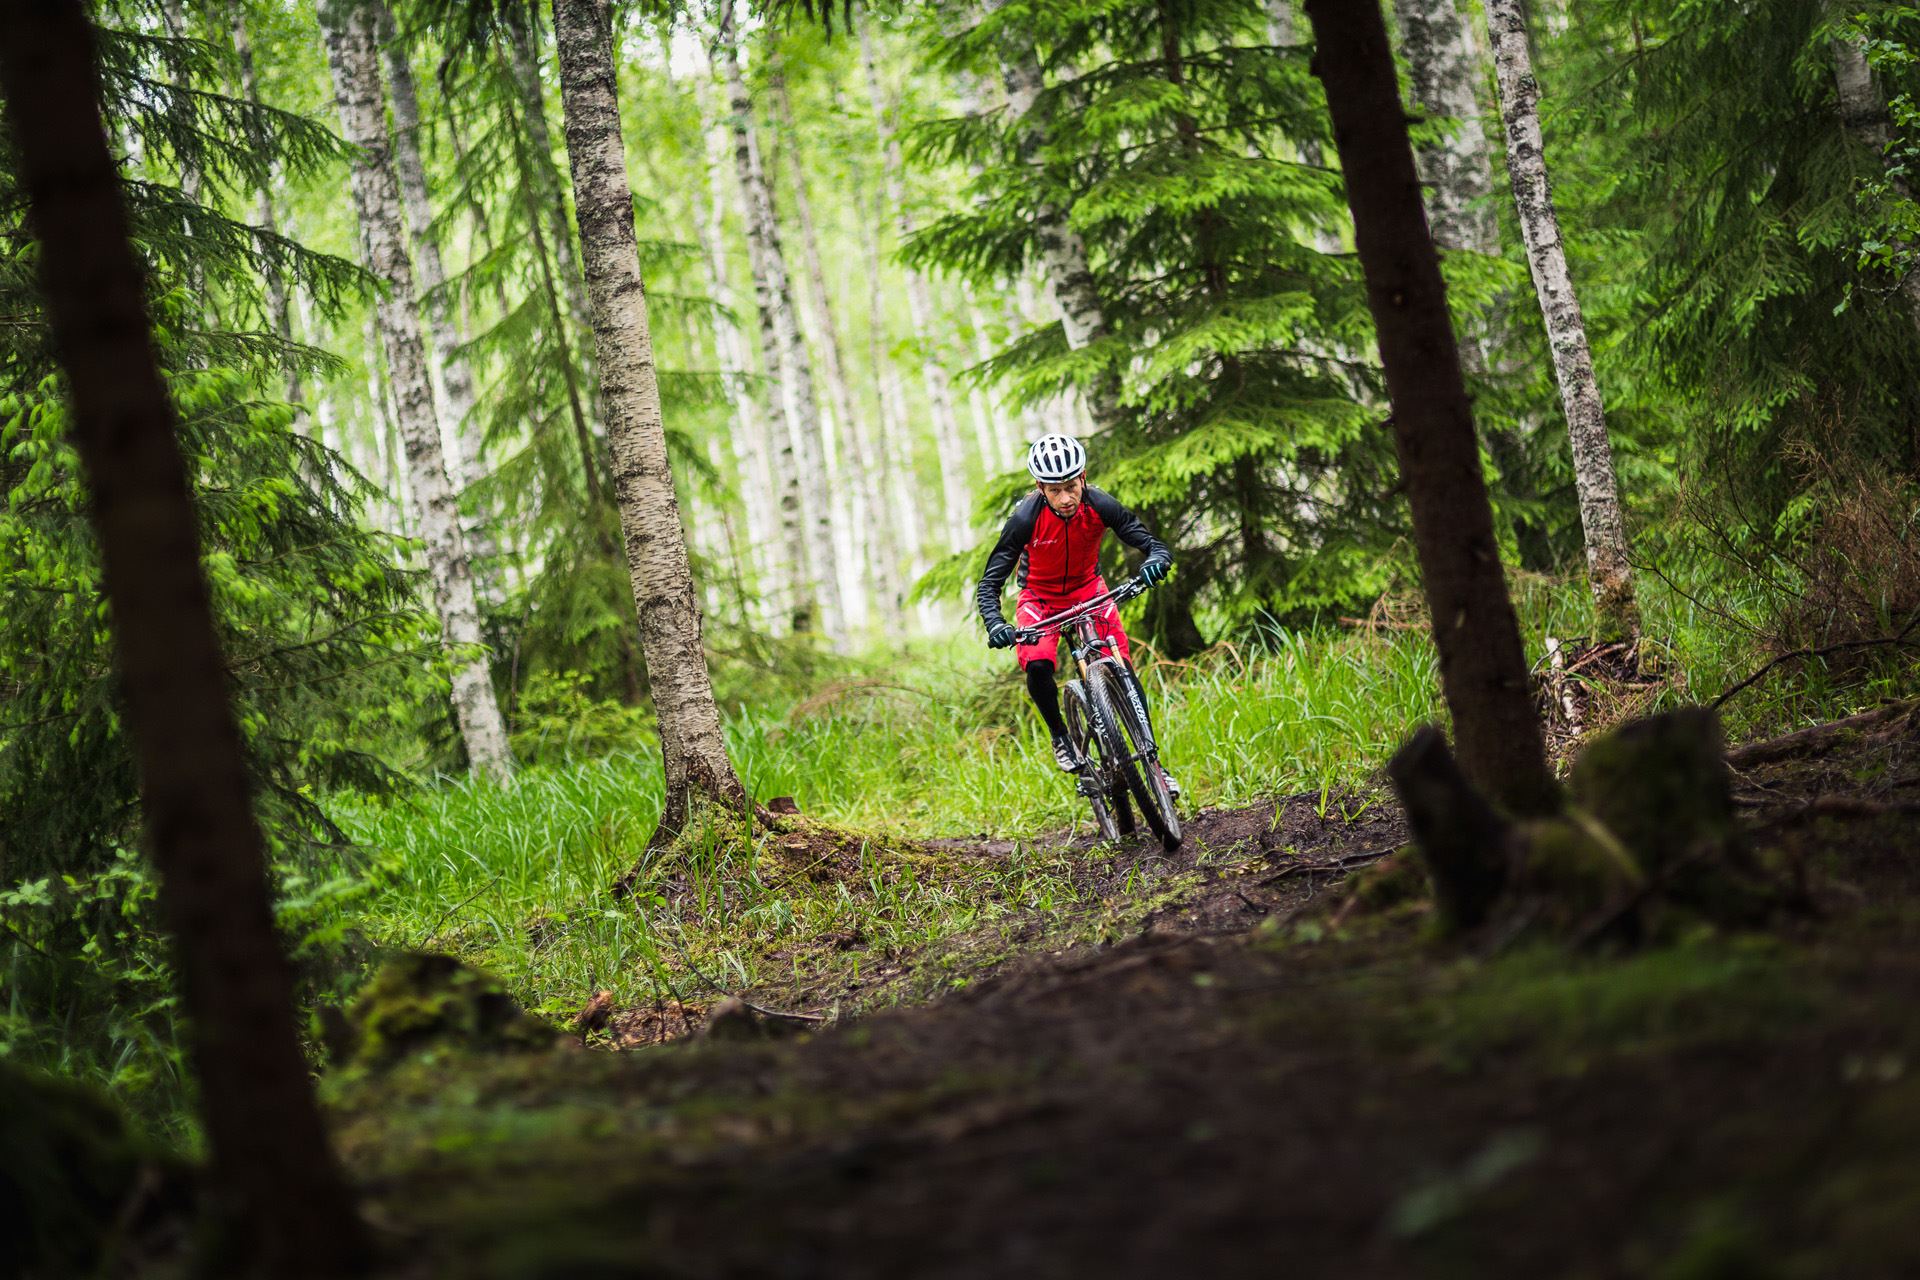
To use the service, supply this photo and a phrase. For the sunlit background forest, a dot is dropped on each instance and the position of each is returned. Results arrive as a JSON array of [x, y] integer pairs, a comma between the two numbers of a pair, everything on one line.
[[883, 249]]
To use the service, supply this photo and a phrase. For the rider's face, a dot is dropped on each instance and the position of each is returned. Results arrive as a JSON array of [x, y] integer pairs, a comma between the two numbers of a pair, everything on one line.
[[1065, 497]]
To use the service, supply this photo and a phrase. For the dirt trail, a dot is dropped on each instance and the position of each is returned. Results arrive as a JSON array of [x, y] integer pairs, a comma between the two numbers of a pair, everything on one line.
[[1233, 1090]]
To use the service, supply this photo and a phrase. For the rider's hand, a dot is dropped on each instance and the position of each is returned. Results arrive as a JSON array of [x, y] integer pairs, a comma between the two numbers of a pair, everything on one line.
[[1153, 571], [1000, 636]]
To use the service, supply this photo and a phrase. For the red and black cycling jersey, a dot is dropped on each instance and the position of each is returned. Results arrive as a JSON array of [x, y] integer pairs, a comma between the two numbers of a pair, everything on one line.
[[1058, 557]]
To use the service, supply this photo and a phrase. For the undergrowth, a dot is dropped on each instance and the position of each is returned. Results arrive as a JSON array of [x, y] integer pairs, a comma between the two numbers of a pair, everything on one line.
[[899, 748]]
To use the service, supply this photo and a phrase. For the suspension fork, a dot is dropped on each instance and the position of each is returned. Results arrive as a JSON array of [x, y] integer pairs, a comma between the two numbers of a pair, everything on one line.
[[1139, 695]]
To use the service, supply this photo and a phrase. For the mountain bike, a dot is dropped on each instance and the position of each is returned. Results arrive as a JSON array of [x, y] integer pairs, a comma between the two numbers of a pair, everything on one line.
[[1107, 724]]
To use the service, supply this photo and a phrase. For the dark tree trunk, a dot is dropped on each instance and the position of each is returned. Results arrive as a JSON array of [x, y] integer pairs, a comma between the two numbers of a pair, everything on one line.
[[1483, 669], [270, 1155]]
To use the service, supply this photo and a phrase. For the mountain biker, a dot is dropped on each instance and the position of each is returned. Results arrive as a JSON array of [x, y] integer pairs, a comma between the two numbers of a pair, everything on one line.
[[1054, 536]]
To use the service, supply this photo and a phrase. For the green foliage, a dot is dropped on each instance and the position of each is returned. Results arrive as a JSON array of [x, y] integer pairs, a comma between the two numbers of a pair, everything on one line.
[[1174, 140], [557, 719], [1733, 206], [315, 619]]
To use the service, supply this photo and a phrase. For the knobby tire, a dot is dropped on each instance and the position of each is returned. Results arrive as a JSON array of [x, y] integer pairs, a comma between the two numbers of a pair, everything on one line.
[[1080, 732], [1116, 709]]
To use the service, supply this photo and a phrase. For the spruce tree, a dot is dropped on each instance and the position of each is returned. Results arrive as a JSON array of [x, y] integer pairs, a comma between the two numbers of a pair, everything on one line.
[[1242, 423]]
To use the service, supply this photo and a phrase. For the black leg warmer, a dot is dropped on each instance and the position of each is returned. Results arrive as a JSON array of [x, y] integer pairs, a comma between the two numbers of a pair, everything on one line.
[[1046, 695]]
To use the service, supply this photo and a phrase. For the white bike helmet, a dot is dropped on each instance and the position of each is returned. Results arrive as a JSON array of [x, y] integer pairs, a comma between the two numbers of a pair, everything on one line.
[[1055, 459]]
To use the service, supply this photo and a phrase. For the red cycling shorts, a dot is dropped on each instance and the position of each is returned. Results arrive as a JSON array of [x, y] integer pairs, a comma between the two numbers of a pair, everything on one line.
[[1033, 607]]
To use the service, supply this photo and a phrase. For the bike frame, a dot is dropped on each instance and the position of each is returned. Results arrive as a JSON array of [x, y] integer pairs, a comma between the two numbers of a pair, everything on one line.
[[1076, 627]]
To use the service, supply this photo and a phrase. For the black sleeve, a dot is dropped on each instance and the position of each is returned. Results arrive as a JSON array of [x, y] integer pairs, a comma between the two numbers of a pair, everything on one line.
[[1127, 527], [1006, 553]]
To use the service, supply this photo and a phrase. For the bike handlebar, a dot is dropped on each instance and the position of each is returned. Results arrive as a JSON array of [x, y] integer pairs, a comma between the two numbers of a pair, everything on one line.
[[1125, 591]]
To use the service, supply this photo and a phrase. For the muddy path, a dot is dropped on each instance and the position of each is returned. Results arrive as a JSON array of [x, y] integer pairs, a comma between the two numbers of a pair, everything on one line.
[[1236, 869], [1237, 1086]]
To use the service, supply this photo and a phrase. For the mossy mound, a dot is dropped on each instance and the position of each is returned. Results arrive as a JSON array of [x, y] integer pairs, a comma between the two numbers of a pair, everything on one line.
[[74, 1183], [421, 1000], [1645, 847]]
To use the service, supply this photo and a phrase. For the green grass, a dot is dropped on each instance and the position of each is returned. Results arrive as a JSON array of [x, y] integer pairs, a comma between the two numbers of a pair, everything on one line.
[[516, 877], [938, 742]]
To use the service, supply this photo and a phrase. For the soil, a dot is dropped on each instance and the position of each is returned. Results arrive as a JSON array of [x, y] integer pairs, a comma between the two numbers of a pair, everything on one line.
[[1256, 1079]]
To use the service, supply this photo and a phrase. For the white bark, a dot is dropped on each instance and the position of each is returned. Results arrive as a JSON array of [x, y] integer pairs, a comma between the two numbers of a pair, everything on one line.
[[1865, 118], [1063, 254], [997, 448], [1608, 572], [377, 457], [1279, 21], [279, 314], [692, 748], [1456, 170], [774, 290], [353, 60], [894, 472], [749, 435], [456, 376], [958, 500], [857, 480]]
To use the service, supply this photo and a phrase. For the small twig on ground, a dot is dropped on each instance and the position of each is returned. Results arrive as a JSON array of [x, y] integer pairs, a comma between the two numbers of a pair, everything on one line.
[[762, 1010], [454, 910], [1350, 862]]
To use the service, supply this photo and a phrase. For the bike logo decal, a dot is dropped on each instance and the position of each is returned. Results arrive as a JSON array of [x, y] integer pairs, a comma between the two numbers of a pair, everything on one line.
[[1139, 709]]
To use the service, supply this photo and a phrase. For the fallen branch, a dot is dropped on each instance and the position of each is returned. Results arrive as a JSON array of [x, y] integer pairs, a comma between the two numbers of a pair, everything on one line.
[[453, 910], [1815, 737]]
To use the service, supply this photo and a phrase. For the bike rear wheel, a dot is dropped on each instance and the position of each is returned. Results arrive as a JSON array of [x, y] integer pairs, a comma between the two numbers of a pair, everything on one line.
[[1080, 731], [1134, 754]]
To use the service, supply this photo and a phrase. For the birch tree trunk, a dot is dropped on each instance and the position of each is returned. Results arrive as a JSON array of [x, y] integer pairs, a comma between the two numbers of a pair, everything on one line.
[[1279, 21], [958, 501], [749, 434], [903, 553], [273, 1174], [1483, 668], [774, 290], [1608, 572], [456, 376], [348, 30], [857, 482], [1063, 253], [990, 415], [798, 601], [693, 752], [1456, 169], [279, 314], [1864, 115]]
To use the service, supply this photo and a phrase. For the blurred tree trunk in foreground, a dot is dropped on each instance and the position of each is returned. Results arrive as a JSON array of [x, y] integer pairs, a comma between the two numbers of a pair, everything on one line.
[[271, 1163]]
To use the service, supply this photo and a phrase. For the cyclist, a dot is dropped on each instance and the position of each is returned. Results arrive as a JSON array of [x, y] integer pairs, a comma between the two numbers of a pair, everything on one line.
[[1054, 536]]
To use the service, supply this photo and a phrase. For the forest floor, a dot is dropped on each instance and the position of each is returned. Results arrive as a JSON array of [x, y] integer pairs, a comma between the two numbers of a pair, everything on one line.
[[1222, 1068]]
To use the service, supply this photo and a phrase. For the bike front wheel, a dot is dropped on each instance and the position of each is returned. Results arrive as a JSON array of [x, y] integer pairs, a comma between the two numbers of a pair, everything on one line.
[[1103, 789], [1134, 755], [1081, 734]]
